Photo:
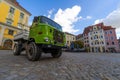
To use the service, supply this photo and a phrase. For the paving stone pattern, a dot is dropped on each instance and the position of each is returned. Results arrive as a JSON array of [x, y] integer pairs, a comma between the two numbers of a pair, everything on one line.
[[70, 66]]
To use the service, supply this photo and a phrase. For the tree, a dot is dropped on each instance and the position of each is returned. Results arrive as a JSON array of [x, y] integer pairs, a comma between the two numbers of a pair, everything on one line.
[[79, 44]]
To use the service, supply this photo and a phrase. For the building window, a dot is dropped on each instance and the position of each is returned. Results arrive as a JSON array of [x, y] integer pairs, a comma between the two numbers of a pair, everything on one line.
[[21, 15], [94, 37], [110, 32], [105, 32], [97, 37], [73, 38], [9, 22], [90, 33], [94, 28], [91, 38], [113, 43], [12, 10], [91, 43], [107, 43], [112, 38], [101, 36], [67, 42], [88, 45], [10, 32], [97, 42], [20, 26]]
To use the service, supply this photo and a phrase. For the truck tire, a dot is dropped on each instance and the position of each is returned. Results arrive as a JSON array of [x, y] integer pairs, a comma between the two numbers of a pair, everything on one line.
[[33, 52], [57, 53], [17, 50]]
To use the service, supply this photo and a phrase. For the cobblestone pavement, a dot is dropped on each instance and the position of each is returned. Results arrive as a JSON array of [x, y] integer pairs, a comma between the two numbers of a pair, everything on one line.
[[70, 66]]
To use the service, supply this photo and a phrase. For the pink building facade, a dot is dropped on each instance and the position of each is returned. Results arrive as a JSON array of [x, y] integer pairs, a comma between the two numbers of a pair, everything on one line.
[[100, 38], [111, 39]]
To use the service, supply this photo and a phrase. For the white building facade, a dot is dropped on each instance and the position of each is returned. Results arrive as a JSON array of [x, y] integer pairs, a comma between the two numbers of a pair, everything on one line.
[[96, 39]]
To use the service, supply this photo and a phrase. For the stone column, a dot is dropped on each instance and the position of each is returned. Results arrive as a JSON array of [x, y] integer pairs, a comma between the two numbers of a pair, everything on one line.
[[1, 35]]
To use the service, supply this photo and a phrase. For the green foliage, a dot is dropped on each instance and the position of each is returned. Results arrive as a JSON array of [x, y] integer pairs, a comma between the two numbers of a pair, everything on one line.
[[0, 47], [79, 43], [87, 49]]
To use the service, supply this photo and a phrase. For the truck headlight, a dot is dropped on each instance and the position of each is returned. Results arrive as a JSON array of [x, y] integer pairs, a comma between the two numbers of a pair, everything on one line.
[[46, 39]]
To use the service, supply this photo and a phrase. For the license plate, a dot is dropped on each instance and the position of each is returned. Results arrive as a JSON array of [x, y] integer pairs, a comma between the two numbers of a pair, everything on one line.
[[49, 45]]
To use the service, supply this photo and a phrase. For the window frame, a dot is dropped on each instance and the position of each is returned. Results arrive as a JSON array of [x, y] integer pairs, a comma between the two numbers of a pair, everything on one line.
[[12, 10], [113, 43], [110, 32], [9, 22], [22, 15], [10, 32]]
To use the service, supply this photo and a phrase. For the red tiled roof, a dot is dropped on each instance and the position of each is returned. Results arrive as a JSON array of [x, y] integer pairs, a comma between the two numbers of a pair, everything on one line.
[[107, 28], [79, 35], [100, 24], [87, 29], [104, 27]]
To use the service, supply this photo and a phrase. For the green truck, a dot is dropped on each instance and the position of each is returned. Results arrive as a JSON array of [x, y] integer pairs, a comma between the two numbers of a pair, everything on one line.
[[45, 35]]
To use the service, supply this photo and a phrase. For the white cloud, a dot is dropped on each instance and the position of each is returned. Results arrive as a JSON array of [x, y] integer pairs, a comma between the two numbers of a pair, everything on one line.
[[88, 17], [66, 18], [112, 19], [50, 13], [98, 21], [118, 32]]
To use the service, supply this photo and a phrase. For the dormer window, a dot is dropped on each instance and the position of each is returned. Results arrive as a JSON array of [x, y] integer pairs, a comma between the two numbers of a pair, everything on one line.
[[94, 28]]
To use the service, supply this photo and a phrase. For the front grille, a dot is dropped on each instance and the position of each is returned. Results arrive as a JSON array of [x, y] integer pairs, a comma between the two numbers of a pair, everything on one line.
[[58, 36]]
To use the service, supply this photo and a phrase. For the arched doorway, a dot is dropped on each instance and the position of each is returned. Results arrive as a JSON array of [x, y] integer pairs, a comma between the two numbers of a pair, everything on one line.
[[8, 44]]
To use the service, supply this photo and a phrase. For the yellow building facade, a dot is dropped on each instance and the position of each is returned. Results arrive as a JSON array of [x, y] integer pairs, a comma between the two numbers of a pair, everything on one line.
[[69, 38], [13, 19]]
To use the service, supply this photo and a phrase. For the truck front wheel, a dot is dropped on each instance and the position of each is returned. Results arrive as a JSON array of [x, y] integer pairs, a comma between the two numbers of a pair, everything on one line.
[[33, 52], [17, 49], [57, 53]]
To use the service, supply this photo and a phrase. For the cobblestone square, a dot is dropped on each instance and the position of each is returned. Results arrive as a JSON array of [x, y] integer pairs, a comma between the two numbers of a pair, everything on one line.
[[70, 66]]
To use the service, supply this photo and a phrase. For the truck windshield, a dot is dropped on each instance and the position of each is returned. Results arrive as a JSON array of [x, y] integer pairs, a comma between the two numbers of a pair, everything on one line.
[[50, 22]]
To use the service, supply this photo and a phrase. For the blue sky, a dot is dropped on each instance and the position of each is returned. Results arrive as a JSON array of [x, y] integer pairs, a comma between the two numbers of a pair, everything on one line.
[[75, 15]]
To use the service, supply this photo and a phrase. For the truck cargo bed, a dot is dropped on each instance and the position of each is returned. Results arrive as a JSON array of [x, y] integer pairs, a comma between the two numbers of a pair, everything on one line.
[[21, 35]]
